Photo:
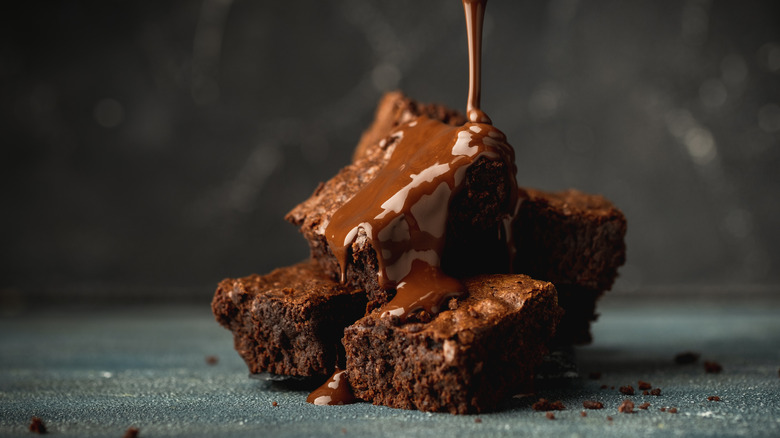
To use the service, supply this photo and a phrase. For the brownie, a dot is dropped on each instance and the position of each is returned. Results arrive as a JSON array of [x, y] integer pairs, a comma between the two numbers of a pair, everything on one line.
[[289, 322], [466, 359], [576, 241], [477, 211]]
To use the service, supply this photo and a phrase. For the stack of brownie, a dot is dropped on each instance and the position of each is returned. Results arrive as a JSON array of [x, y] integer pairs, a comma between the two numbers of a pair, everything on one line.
[[312, 318]]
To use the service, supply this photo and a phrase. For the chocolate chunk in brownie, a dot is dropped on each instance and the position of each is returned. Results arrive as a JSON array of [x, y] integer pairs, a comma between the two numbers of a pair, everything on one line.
[[474, 242], [464, 360], [289, 322]]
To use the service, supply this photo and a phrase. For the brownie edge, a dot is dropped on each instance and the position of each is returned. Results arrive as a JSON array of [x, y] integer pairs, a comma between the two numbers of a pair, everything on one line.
[[467, 359], [289, 322]]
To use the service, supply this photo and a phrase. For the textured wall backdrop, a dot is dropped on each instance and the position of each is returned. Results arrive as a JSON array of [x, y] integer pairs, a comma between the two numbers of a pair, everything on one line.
[[156, 145]]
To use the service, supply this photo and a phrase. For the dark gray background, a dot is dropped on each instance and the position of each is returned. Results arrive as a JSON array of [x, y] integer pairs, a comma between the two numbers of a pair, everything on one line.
[[155, 146]]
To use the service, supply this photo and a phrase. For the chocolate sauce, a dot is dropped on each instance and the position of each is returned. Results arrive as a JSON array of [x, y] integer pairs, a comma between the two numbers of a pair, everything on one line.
[[336, 391], [403, 211]]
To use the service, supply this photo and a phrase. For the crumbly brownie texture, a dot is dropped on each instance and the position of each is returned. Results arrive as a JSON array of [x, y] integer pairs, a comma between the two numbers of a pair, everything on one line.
[[570, 238], [475, 217], [575, 240], [458, 361], [289, 322]]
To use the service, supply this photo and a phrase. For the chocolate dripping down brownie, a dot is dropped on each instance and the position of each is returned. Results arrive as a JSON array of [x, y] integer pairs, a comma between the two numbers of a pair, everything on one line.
[[572, 239], [468, 358], [481, 201], [576, 241], [289, 322]]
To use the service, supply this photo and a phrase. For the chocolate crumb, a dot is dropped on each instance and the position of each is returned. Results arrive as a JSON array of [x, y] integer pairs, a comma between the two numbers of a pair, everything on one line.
[[685, 358], [583, 414], [477, 420], [662, 409], [550, 416], [712, 367], [594, 375], [592, 404], [627, 390], [545, 405], [212, 360], [644, 405], [656, 391], [644, 385], [672, 410], [645, 392], [37, 426], [627, 407], [713, 398], [274, 404], [131, 432], [609, 418], [604, 386]]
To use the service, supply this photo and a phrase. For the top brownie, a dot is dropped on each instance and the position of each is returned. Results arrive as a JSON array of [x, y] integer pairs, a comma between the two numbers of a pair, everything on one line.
[[476, 211]]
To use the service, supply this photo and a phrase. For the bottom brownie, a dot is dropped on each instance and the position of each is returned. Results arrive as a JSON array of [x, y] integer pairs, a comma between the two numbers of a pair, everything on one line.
[[290, 321], [466, 359]]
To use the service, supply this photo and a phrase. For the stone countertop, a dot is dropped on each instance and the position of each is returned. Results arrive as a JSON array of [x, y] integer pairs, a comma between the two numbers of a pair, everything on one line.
[[98, 371]]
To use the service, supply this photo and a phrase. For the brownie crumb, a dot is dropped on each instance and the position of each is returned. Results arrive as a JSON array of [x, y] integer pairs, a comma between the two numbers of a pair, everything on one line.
[[131, 432], [274, 404], [212, 360], [644, 405], [609, 418], [583, 414], [627, 407], [477, 420], [712, 367], [604, 386], [662, 409], [37, 426], [685, 358], [592, 404], [343, 430], [627, 390], [656, 392], [644, 385], [545, 405], [550, 416], [645, 392], [713, 398], [594, 375], [611, 387], [672, 410]]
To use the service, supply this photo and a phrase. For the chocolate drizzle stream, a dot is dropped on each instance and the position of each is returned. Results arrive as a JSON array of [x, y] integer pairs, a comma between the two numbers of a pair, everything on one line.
[[475, 15]]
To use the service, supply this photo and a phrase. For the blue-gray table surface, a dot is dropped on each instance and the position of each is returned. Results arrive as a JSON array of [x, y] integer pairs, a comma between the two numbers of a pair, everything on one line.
[[97, 372]]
